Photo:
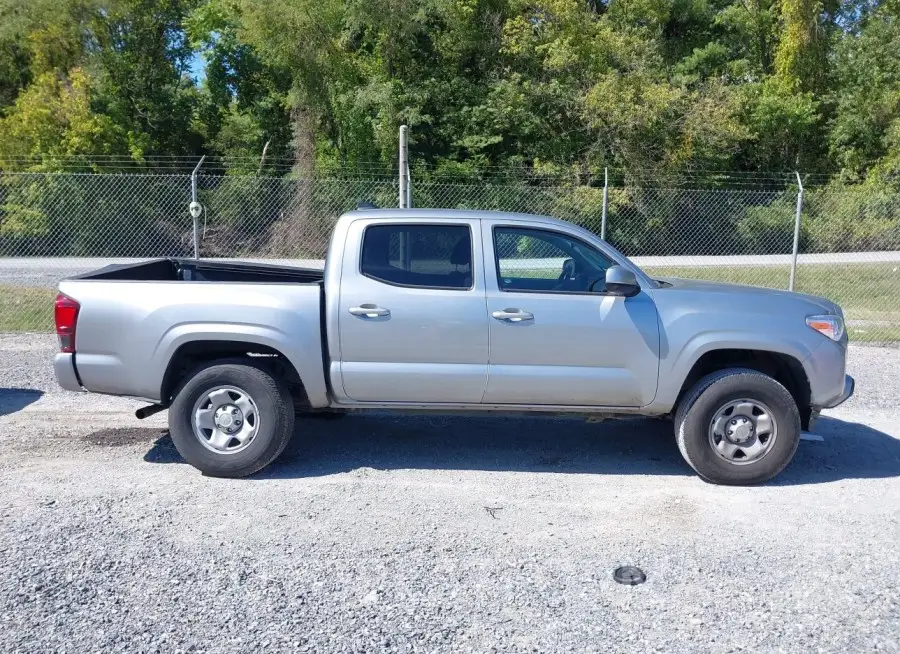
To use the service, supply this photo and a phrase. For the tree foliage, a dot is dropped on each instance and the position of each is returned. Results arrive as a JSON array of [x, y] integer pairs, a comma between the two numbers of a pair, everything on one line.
[[569, 84]]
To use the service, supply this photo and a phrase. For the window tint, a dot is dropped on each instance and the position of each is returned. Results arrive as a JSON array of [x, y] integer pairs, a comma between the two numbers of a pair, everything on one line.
[[434, 256], [538, 260]]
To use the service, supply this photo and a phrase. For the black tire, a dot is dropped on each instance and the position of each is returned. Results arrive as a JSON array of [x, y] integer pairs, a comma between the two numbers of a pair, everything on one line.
[[274, 406], [699, 406]]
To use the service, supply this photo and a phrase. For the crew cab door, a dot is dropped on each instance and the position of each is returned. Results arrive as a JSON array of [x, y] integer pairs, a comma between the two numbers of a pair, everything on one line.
[[552, 339], [411, 317]]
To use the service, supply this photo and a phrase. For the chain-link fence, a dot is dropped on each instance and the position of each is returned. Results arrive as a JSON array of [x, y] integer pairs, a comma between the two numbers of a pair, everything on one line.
[[55, 225]]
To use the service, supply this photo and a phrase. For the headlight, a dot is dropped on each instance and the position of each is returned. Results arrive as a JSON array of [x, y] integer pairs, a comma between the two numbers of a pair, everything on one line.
[[831, 326]]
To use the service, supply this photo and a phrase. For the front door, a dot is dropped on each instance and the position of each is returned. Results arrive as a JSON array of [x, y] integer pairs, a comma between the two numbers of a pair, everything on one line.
[[555, 336], [412, 322]]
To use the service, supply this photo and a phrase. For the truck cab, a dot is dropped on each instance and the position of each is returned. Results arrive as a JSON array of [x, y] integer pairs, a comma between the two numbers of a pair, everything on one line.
[[506, 310]]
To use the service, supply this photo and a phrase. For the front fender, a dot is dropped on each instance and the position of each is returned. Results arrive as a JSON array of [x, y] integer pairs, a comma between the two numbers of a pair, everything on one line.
[[675, 368]]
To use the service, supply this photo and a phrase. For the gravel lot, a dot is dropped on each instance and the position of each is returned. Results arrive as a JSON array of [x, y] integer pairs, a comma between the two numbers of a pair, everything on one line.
[[447, 534]]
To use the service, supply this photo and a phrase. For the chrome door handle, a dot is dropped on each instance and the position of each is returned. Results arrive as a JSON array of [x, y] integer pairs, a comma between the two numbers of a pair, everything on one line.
[[513, 315], [369, 311]]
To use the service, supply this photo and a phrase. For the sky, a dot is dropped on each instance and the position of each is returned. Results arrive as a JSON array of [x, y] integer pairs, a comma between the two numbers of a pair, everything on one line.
[[198, 67]]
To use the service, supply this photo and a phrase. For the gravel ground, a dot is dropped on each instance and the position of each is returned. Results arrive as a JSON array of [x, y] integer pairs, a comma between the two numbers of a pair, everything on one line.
[[445, 534]]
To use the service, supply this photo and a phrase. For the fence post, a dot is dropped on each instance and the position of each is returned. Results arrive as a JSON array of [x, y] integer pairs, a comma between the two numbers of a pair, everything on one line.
[[408, 184], [796, 232], [603, 214], [403, 171], [195, 208]]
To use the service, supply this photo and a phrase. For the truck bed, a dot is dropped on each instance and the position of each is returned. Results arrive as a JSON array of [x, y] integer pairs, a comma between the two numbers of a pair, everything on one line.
[[134, 319], [171, 270]]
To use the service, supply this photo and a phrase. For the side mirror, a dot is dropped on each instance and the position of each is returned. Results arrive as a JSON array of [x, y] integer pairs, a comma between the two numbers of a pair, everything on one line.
[[622, 282]]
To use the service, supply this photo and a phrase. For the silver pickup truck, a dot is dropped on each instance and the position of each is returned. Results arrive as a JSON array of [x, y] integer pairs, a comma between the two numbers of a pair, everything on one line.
[[453, 311]]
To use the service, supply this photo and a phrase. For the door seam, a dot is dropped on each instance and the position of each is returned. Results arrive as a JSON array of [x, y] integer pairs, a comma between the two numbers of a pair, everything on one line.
[[487, 315]]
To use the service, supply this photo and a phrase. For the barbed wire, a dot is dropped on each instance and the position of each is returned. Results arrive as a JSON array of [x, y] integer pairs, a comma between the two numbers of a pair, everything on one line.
[[538, 174]]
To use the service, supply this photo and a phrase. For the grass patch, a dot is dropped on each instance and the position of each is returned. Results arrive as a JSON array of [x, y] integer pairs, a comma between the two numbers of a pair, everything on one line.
[[26, 309], [879, 334]]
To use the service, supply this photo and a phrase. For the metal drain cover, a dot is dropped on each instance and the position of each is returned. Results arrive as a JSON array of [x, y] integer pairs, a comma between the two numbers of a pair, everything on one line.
[[629, 575]]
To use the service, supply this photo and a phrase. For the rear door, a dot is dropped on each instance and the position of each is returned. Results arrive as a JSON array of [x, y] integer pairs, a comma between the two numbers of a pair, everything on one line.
[[556, 337], [412, 319]]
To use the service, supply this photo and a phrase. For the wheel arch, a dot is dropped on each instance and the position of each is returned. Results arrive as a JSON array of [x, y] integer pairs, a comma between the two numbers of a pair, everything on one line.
[[191, 354], [784, 368]]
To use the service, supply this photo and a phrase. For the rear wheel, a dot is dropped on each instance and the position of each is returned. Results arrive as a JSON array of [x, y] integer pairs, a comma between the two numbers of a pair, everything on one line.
[[737, 426], [231, 419]]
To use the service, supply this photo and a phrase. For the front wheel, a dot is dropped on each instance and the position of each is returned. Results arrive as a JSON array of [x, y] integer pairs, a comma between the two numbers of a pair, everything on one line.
[[737, 426], [231, 419]]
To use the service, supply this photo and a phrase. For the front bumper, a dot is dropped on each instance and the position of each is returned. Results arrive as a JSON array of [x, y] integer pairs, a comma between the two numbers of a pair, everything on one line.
[[826, 372], [64, 367], [849, 387]]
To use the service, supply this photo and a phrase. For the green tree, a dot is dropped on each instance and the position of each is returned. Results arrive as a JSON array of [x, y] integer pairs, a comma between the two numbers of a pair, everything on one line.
[[53, 118], [243, 101], [865, 82]]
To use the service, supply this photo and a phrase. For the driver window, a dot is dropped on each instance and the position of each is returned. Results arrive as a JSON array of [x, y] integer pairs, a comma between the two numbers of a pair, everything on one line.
[[538, 260]]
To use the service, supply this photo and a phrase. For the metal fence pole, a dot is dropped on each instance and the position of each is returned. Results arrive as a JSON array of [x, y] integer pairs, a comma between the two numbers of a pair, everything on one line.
[[408, 184], [603, 214], [796, 233], [195, 208], [403, 168]]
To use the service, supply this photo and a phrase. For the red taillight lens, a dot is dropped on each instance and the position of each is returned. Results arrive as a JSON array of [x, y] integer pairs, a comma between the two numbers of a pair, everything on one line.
[[66, 315]]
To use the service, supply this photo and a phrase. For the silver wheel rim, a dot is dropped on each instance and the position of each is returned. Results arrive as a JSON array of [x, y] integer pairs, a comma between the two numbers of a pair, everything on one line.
[[225, 419], [742, 431]]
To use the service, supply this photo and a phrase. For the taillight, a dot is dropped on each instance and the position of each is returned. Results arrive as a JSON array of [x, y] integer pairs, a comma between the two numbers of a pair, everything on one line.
[[66, 314]]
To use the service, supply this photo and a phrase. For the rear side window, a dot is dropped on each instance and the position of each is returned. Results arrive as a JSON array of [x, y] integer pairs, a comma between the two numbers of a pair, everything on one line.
[[423, 256]]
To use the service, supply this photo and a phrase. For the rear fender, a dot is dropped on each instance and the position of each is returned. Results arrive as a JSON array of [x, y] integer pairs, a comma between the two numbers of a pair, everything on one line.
[[307, 364]]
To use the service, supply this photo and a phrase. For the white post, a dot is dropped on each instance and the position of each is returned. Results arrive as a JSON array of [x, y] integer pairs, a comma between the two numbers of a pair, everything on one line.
[[195, 207], [404, 168], [603, 215], [796, 232]]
